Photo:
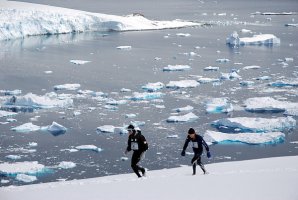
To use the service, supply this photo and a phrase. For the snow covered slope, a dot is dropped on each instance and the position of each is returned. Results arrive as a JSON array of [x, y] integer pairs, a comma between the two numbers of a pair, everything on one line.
[[18, 20], [269, 178]]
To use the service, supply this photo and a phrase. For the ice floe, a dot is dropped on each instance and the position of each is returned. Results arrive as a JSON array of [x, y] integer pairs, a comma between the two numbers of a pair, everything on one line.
[[251, 67], [137, 96], [106, 129], [67, 86], [26, 178], [176, 68], [79, 62], [218, 105], [13, 157], [285, 83], [11, 92], [210, 68], [183, 84], [183, 118], [184, 109], [7, 113], [208, 80], [153, 87], [35, 19], [266, 39], [251, 124], [248, 138], [124, 47], [67, 165], [56, 129], [292, 25], [263, 104], [89, 147], [25, 128], [27, 167], [230, 76], [247, 83]]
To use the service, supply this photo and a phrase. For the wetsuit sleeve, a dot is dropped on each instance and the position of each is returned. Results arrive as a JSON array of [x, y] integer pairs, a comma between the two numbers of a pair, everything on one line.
[[186, 143], [205, 145], [128, 144]]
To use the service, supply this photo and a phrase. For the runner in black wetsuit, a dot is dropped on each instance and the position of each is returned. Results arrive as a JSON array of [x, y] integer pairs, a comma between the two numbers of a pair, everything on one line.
[[136, 142], [197, 145]]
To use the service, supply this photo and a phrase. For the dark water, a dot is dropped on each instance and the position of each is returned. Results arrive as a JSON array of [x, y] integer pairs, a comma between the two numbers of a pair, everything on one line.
[[23, 62]]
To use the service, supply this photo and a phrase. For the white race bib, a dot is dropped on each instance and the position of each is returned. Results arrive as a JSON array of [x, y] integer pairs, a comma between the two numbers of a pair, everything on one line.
[[195, 145], [134, 146]]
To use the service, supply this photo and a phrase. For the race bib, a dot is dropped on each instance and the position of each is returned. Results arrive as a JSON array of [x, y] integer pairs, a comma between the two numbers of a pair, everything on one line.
[[134, 146], [195, 145]]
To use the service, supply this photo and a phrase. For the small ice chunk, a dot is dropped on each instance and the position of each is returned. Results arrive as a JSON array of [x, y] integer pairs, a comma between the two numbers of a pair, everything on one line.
[[66, 165], [250, 124], [208, 80], [153, 87], [183, 118], [222, 60], [184, 109], [124, 158], [89, 147], [263, 78], [183, 34], [183, 84], [146, 96], [11, 92], [247, 138], [130, 115], [27, 167], [32, 144], [79, 62], [56, 129], [68, 86], [246, 31], [48, 72], [176, 68], [26, 178], [114, 102], [230, 76], [219, 105], [285, 83], [293, 25], [210, 68], [251, 67], [125, 90], [4, 113], [106, 129], [27, 127], [13, 157], [247, 83], [124, 47], [172, 136]]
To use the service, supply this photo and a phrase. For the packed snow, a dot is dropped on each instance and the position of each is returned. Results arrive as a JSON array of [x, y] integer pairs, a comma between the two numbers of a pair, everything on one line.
[[266, 39], [66, 165], [267, 178], [248, 138], [19, 20], [250, 124]]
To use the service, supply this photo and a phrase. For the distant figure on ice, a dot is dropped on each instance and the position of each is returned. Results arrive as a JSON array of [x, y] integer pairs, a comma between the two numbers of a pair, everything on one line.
[[136, 142], [197, 145]]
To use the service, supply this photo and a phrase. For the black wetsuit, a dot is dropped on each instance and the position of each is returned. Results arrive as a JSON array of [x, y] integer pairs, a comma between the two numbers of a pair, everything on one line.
[[137, 142], [197, 145]]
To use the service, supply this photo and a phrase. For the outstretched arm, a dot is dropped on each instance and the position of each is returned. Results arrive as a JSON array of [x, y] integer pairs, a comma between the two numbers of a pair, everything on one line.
[[205, 145]]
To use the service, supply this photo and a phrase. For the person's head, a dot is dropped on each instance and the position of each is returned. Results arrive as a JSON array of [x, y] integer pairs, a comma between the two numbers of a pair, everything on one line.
[[131, 129], [192, 133]]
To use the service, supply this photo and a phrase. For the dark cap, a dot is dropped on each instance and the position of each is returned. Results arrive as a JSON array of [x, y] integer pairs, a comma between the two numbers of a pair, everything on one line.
[[191, 131], [130, 127]]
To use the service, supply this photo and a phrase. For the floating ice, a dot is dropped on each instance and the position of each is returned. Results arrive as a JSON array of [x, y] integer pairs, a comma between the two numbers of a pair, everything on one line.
[[251, 67], [32, 144], [183, 118], [32, 101], [27, 127], [66, 165], [245, 31], [74, 86], [114, 102], [125, 90], [13, 157], [34, 19], [247, 83], [153, 87], [278, 13], [267, 39], [210, 68], [29, 168], [56, 129], [183, 34], [89, 147], [124, 47], [263, 104], [130, 115], [230, 76], [208, 80], [79, 62], [263, 78], [26, 178], [176, 68], [172, 136], [138, 123], [106, 129], [248, 138], [6, 113], [285, 83], [219, 105], [182, 84], [146, 96], [11, 92], [293, 25], [184, 109], [250, 124], [222, 60]]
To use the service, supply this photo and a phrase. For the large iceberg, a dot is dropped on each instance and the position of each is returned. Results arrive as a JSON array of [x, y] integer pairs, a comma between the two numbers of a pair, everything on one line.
[[219, 105], [183, 118], [19, 20], [248, 138], [267, 39], [262, 104], [33, 101], [250, 124]]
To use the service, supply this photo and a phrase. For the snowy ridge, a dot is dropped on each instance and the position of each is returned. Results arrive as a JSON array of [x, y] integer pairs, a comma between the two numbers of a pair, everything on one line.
[[34, 19]]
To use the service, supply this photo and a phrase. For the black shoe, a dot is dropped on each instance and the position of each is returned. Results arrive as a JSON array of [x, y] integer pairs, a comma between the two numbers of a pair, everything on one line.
[[143, 172]]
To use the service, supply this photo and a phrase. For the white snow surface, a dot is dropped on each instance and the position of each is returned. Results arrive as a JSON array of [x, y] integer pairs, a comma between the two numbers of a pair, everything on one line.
[[18, 20], [248, 138], [267, 178], [66, 165], [267, 39]]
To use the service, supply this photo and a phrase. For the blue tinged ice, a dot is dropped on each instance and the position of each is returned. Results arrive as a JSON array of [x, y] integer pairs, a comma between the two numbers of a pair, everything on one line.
[[146, 96], [153, 87], [67, 86], [183, 118], [285, 83], [176, 68], [219, 105], [183, 84], [106, 129], [266, 39], [13, 157], [89, 147], [247, 138], [251, 124], [56, 129]]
